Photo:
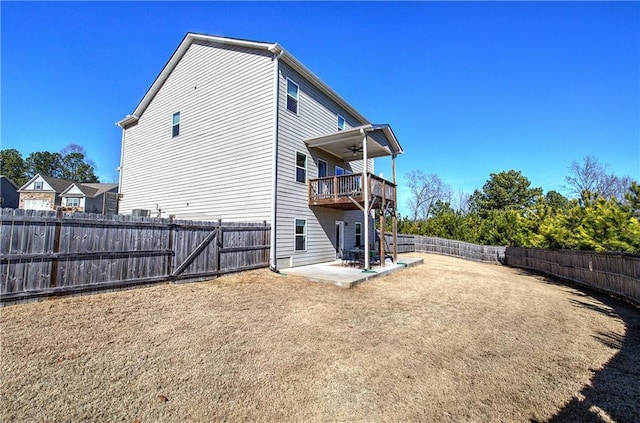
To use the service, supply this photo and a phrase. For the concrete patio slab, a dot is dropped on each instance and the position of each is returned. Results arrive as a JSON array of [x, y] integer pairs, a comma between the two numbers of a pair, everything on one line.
[[335, 273]]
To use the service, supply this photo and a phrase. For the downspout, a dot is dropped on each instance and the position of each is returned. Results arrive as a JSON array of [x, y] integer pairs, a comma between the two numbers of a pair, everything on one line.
[[277, 52], [122, 126], [120, 167]]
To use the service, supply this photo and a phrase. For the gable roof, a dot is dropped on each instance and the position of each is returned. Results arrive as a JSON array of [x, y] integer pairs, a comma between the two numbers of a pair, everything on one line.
[[273, 48], [85, 190], [90, 190], [57, 184]]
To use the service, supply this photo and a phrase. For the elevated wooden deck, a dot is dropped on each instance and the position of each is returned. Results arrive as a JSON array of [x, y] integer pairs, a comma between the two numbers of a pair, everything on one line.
[[346, 192]]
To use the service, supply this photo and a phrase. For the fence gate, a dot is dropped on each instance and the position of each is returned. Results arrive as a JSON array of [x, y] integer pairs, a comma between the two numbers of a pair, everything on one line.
[[203, 260]]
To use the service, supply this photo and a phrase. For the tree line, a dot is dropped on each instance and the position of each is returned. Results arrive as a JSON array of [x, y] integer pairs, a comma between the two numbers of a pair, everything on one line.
[[71, 163], [601, 212]]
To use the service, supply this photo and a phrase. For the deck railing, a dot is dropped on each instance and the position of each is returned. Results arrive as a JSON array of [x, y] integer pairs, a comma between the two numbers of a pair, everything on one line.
[[339, 188]]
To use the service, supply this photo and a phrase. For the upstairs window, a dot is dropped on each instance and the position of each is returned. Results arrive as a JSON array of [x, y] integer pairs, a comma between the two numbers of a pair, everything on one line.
[[175, 126], [339, 171], [301, 167], [292, 96], [38, 186], [341, 123]]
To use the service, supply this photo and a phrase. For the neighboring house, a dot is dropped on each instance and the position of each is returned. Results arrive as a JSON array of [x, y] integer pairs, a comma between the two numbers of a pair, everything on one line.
[[9, 197], [42, 192], [91, 198], [47, 193], [242, 131]]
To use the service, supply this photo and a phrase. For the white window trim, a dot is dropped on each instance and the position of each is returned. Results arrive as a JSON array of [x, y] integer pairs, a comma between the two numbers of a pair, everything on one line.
[[344, 122], [295, 235], [296, 167], [326, 165], [66, 201], [35, 186], [297, 112]]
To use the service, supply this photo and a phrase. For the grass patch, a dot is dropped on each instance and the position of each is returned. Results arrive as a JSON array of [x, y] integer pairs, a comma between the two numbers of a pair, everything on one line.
[[447, 341]]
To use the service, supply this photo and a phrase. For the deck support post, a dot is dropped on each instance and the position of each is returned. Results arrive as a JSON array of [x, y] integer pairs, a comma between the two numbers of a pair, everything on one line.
[[382, 238], [395, 209], [365, 187]]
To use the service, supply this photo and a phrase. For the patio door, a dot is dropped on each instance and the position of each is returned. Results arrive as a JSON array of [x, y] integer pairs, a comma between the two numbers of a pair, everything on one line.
[[339, 238]]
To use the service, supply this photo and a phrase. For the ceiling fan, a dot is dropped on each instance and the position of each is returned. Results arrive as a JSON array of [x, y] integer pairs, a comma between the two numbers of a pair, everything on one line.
[[355, 149]]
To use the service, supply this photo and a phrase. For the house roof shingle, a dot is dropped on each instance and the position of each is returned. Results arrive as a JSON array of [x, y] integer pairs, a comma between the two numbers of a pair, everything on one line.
[[99, 187]]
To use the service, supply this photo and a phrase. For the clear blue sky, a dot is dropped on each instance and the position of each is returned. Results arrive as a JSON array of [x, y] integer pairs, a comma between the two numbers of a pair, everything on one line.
[[469, 88]]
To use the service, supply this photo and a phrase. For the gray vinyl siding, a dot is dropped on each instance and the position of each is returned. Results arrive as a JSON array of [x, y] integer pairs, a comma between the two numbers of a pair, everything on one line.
[[350, 218], [9, 194], [219, 166], [316, 116]]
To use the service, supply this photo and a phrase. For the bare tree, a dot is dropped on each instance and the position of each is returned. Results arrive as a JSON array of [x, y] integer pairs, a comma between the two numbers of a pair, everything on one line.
[[461, 201], [77, 149], [426, 190], [583, 176], [592, 176], [73, 148]]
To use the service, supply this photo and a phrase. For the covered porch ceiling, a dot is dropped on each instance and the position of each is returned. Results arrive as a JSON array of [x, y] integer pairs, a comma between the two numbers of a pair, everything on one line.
[[348, 144]]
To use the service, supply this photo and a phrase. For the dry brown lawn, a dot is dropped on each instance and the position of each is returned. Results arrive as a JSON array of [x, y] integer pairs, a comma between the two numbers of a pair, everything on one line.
[[448, 341]]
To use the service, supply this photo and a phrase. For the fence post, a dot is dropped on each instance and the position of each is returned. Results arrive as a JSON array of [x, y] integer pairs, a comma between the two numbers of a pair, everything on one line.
[[265, 241], [219, 244], [172, 257], [53, 280]]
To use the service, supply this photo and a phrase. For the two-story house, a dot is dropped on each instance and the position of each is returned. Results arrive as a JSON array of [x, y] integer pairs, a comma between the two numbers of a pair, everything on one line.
[[242, 131], [42, 192]]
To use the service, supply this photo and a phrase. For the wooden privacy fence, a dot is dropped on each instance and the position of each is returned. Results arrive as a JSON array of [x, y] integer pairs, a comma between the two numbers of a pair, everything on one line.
[[465, 250], [614, 273], [406, 243], [47, 253], [447, 247]]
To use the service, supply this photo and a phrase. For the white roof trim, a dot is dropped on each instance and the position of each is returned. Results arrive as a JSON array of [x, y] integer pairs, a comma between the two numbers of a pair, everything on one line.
[[274, 48], [338, 143]]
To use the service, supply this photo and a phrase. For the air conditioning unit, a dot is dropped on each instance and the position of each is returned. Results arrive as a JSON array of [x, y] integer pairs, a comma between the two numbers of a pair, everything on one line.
[[140, 213]]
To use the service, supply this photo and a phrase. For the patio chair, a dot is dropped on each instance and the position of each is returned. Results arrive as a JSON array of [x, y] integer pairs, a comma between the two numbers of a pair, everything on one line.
[[347, 257], [375, 259]]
